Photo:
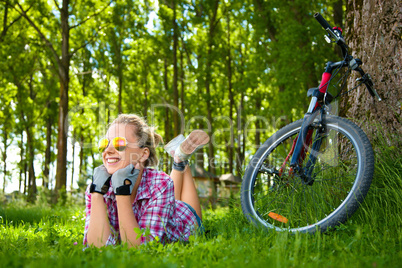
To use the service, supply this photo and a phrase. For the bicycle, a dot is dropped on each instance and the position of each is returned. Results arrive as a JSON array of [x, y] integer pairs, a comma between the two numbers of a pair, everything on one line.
[[312, 174]]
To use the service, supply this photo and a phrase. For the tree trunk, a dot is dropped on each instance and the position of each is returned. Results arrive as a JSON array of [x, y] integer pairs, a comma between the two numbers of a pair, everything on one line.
[[46, 170], [211, 33], [64, 66], [257, 124], [22, 162], [25, 176], [72, 163], [169, 161], [231, 98], [82, 170], [146, 87], [182, 80], [241, 148], [338, 20], [120, 109], [176, 122], [31, 171], [166, 85], [30, 186], [338, 13], [167, 126], [4, 156], [374, 34], [240, 130]]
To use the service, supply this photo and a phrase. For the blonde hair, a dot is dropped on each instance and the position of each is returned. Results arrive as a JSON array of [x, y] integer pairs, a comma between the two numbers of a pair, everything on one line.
[[146, 135]]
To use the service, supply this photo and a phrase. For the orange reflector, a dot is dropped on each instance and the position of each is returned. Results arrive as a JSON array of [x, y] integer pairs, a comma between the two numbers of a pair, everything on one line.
[[278, 217]]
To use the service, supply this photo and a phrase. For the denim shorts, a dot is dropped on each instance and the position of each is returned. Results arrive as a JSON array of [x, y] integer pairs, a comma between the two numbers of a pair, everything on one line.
[[201, 229]]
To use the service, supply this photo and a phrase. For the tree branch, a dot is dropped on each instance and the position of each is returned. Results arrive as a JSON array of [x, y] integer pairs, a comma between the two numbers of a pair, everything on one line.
[[57, 5], [47, 42], [90, 17], [5, 20], [5, 26], [83, 45], [187, 53]]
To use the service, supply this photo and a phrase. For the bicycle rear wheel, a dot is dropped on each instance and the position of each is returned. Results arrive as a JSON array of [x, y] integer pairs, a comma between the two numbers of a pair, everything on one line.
[[276, 197]]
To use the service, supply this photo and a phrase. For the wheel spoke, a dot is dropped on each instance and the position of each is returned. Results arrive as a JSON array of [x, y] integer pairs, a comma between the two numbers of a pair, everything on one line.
[[300, 199]]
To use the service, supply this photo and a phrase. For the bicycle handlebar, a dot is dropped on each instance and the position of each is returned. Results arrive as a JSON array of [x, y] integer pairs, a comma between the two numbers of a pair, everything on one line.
[[334, 33], [322, 21], [366, 79]]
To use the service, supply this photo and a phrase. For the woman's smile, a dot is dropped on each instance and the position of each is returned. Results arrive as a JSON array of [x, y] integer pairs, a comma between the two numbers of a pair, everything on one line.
[[112, 160]]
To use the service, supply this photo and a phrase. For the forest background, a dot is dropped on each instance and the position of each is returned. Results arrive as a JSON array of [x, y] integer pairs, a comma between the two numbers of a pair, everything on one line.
[[238, 69]]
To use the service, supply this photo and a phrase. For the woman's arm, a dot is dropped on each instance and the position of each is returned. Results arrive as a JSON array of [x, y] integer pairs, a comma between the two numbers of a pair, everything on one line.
[[99, 228], [127, 221], [125, 184]]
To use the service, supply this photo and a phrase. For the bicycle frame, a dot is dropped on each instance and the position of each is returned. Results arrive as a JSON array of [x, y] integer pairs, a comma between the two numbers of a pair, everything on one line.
[[312, 112], [320, 98], [312, 174]]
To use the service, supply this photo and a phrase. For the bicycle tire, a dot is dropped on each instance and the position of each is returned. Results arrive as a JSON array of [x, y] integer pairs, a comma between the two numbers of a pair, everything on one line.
[[284, 202]]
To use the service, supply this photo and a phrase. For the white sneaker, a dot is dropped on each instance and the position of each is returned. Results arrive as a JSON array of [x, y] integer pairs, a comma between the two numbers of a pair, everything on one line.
[[196, 140], [171, 147]]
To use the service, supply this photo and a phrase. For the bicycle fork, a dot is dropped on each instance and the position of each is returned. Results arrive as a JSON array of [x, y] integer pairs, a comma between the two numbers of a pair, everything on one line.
[[303, 142]]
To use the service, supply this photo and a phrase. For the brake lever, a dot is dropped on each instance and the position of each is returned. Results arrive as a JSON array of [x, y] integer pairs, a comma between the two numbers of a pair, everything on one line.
[[336, 35], [366, 79]]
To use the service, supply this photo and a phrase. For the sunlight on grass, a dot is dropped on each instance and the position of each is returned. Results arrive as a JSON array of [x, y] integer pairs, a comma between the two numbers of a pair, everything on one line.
[[36, 236]]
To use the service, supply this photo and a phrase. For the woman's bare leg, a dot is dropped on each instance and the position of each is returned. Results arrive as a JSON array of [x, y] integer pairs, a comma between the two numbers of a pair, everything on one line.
[[185, 190], [177, 177], [184, 187]]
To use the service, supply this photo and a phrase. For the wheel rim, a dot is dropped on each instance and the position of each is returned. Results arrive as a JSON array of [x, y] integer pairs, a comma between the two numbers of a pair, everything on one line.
[[286, 203]]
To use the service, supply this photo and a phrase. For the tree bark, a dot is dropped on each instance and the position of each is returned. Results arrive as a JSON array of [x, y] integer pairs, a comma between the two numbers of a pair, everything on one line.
[[373, 33], [120, 109], [30, 186], [46, 171], [64, 66], [231, 98], [338, 13], [166, 85], [338, 20], [72, 163], [176, 122], [31, 171], [208, 75], [31, 148], [22, 162], [240, 150], [82, 169], [257, 123], [146, 87], [182, 80], [168, 164], [4, 156]]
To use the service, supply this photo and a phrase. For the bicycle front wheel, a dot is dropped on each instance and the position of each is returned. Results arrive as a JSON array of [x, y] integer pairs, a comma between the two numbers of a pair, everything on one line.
[[315, 197]]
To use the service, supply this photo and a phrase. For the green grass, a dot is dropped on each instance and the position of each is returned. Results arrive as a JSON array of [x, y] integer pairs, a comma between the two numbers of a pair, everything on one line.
[[49, 237]]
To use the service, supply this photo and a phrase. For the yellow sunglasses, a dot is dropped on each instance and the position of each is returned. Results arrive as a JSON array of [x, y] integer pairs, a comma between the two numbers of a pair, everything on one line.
[[119, 143]]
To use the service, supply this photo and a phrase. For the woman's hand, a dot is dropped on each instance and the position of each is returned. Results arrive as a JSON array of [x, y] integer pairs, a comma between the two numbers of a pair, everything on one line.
[[123, 180], [99, 179]]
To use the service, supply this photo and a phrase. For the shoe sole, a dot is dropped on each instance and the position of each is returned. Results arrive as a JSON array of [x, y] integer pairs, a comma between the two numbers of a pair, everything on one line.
[[195, 140], [173, 144]]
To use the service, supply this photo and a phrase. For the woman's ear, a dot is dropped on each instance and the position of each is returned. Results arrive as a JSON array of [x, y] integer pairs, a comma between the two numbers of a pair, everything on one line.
[[144, 155]]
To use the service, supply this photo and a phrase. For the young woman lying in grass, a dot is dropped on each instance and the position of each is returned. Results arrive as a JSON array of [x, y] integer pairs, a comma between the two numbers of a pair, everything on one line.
[[126, 194]]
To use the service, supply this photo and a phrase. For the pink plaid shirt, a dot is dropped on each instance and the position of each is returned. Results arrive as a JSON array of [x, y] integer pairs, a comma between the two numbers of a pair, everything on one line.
[[154, 207]]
